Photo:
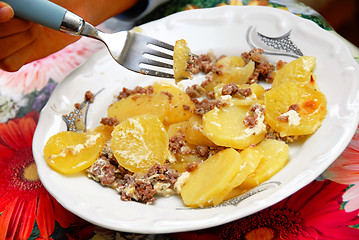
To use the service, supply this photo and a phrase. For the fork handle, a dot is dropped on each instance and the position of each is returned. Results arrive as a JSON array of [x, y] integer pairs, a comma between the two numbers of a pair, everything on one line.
[[48, 14]]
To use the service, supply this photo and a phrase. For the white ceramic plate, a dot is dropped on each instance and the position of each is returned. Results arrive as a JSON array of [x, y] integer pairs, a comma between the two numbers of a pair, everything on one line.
[[225, 30]]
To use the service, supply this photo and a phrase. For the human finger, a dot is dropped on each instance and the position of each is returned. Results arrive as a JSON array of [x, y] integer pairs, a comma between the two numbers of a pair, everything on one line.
[[6, 12], [15, 61], [11, 44], [14, 25]]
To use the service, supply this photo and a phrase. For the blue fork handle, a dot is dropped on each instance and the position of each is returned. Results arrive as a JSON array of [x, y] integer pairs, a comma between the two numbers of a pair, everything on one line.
[[43, 12]]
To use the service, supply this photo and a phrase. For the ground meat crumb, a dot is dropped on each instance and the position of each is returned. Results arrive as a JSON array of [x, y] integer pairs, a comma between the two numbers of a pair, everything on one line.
[[232, 89], [271, 134], [195, 91], [89, 96], [249, 121], [206, 105], [191, 166], [280, 64], [128, 92], [178, 144], [163, 173], [109, 121], [192, 65], [253, 55], [202, 151], [186, 107], [229, 89], [102, 171], [170, 95], [282, 118], [263, 69], [207, 63], [211, 95], [294, 107], [245, 92]]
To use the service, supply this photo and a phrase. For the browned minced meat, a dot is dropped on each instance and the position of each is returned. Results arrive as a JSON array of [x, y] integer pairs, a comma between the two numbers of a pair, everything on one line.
[[232, 89], [253, 55], [207, 63], [143, 190], [251, 120], [178, 144], [109, 121], [206, 151], [143, 187], [263, 69], [89, 96], [209, 78], [186, 107], [128, 92], [294, 107], [192, 66], [229, 89], [245, 92], [192, 166], [103, 171], [162, 173], [271, 134], [280, 64], [282, 118], [206, 105], [170, 95], [211, 95], [195, 91]]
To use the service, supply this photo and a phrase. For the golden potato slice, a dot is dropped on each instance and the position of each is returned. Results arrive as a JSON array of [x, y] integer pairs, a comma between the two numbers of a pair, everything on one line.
[[71, 152], [229, 62], [257, 95], [174, 128], [180, 103], [181, 56], [251, 157], [276, 155], [182, 160], [299, 70], [280, 116], [194, 132], [157, 104], [105, 131], [226, 127], [140, 142], [232, 71], [211, 178]]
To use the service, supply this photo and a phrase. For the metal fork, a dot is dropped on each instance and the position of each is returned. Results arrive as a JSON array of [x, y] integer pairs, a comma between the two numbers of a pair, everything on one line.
[[134, 51]]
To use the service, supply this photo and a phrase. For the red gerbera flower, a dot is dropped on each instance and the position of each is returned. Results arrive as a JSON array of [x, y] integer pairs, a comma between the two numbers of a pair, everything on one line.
[[23, 199], [314, 212], [311, 213]]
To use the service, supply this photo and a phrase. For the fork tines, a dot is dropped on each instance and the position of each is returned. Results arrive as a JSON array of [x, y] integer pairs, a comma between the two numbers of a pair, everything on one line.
[[157, 59]]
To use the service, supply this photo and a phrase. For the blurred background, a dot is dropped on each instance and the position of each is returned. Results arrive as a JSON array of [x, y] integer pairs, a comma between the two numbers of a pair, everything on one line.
[[342, 15]]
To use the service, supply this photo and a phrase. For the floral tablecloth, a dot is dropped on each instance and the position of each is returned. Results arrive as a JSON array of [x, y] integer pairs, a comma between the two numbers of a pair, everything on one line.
[[325, 209]]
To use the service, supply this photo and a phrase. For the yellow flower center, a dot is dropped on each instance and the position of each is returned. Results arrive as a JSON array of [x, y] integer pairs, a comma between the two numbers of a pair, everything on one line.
[[260, 234], [30, 173]]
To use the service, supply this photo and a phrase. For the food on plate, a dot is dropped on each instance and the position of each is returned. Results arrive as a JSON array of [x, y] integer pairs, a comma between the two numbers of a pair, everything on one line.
[[139, 142], [70, 152], [294, 108], [206, 142], [235, 126]]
